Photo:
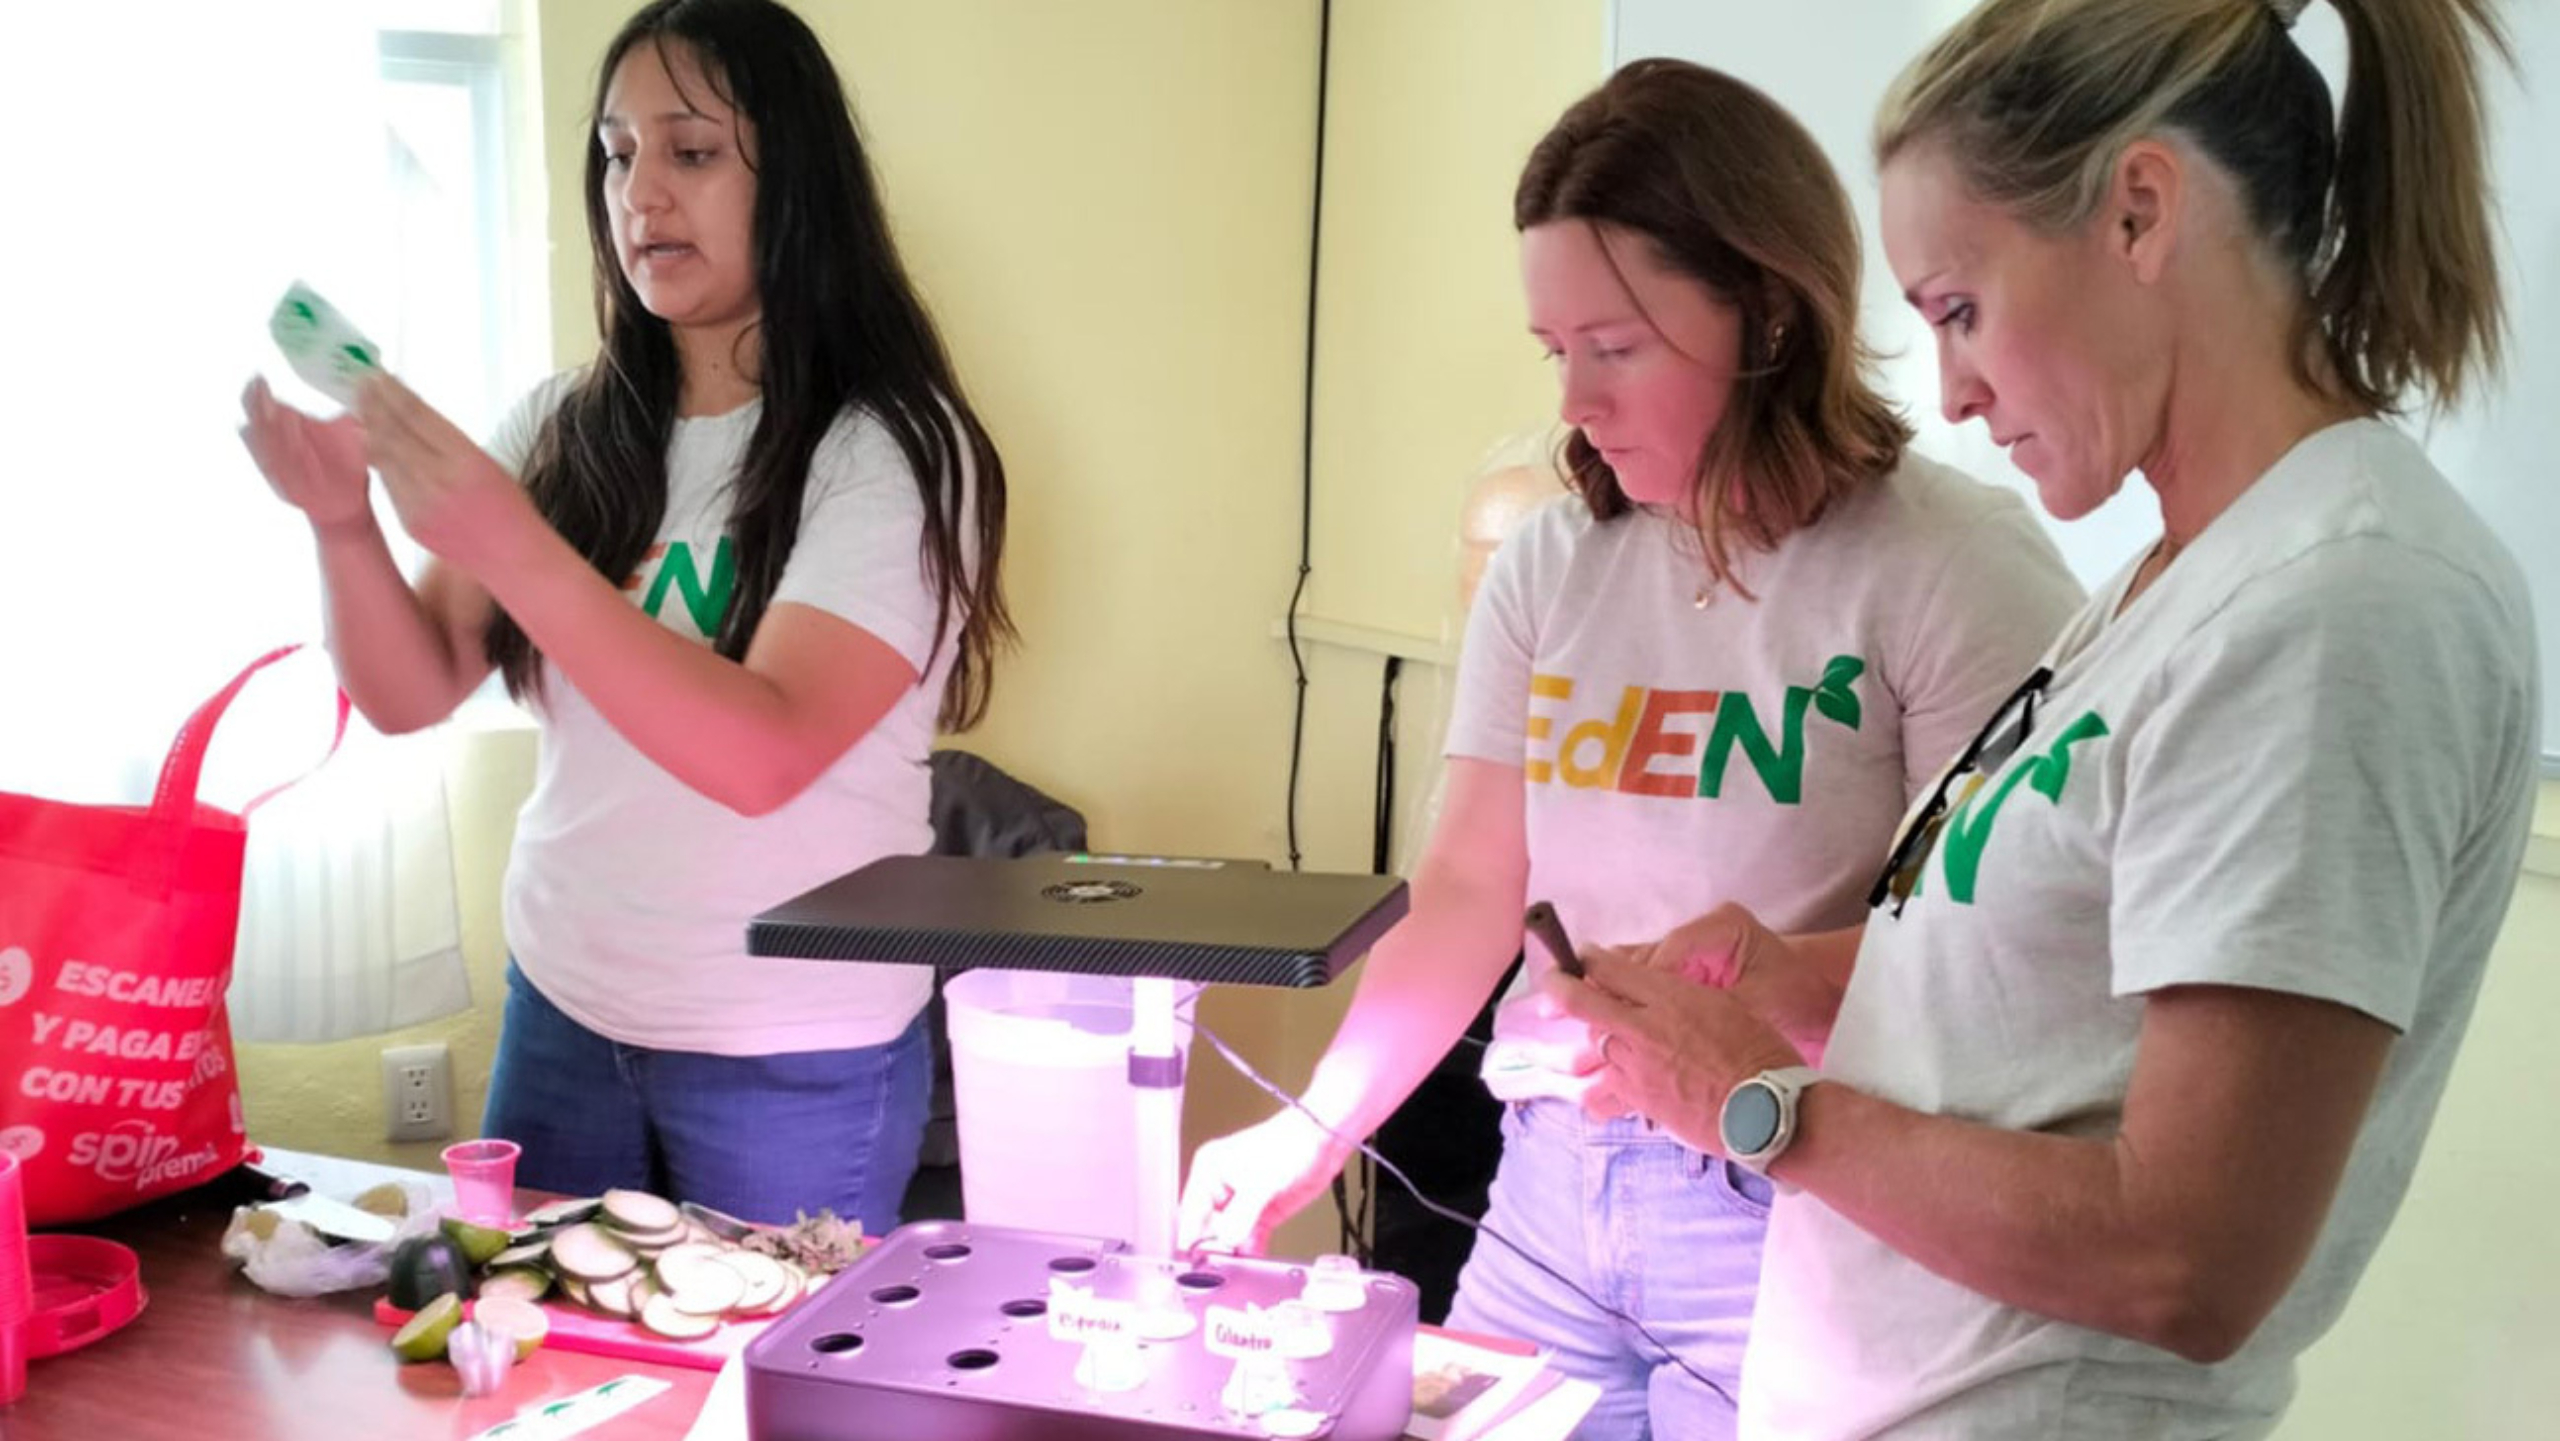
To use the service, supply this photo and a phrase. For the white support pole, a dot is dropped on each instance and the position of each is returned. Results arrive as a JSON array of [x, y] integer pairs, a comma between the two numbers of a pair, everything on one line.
[[1155, 1081]]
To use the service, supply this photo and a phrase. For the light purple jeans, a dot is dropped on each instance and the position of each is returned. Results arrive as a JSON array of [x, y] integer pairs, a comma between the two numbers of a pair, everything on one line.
[[1648, 1226]]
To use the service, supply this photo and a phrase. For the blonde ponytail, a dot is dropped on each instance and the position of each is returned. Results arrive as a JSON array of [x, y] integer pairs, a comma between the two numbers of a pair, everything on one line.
[[2408, 291], [2384, 218]]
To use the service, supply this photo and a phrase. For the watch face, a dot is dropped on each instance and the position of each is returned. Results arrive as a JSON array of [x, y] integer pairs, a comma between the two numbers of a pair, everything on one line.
[[1750, 1119]]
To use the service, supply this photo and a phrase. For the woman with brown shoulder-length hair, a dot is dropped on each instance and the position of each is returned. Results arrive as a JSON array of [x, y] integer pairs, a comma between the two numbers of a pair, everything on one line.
[[1714, 674]]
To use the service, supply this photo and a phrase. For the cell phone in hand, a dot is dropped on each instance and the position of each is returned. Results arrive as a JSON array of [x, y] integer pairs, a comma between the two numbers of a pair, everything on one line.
[[1543, 923]]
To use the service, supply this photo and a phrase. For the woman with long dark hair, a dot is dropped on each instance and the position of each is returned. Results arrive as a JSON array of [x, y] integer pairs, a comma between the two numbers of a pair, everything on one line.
[[750, 566]]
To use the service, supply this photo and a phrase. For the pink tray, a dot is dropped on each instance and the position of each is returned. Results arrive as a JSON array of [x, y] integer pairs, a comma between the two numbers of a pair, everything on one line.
[[85, 1288]]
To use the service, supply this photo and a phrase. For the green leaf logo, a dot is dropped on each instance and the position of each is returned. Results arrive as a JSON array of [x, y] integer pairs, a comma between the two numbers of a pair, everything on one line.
[[1832, 695]]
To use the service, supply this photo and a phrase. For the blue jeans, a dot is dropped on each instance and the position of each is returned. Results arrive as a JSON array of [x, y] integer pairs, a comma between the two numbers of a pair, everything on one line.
[[1650, 1227], [760, 1137]]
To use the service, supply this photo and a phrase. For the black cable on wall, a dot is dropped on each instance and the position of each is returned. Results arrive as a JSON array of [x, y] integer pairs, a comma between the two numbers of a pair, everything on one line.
[[1383, 821], [1307, 434]]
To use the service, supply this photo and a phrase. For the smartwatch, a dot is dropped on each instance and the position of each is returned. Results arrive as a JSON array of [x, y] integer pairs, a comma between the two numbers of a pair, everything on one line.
[[1760, 1116]]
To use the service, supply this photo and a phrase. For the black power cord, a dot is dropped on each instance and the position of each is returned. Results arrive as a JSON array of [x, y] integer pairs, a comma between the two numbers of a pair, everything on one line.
[[1245, 1068], [1307, 434], [1358, 1241], [1383, 821]]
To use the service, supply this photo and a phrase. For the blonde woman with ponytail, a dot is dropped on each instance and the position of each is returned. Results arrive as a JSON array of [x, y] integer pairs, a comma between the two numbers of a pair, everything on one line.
[[2142, 1042]]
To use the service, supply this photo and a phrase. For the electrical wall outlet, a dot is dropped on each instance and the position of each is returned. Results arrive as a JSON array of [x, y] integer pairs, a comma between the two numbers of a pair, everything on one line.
[[417, 1092]]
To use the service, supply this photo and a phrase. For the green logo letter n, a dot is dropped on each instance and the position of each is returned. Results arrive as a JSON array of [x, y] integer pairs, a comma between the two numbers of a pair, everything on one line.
[[708, 604]]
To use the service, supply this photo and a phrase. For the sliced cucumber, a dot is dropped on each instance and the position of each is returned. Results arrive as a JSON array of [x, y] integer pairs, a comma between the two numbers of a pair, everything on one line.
[[665, 1317], [650, 1243], [614, 1297], [564, 1213], [765, 1278], [639, 1213], [700, 1278], [590, 1252], [524, 1283], [533, 1253]]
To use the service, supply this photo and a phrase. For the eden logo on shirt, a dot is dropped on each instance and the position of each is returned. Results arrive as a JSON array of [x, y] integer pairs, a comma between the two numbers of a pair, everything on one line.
[[706, 600], [1968, 826], [1645, 746]]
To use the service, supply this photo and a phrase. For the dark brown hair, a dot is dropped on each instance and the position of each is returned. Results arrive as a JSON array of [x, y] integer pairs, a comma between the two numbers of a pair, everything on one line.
[[843, 331], [1731, 192], [2383, 216]]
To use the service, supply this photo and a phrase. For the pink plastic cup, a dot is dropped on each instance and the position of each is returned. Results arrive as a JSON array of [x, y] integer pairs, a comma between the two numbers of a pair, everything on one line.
[[484, 1180], [17, 1287]]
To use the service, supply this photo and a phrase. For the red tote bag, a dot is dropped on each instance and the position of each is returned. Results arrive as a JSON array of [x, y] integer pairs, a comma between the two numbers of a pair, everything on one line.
[[116, 933]]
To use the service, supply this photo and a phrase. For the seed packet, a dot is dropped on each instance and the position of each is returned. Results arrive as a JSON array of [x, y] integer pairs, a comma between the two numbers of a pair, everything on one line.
[[321, 345]]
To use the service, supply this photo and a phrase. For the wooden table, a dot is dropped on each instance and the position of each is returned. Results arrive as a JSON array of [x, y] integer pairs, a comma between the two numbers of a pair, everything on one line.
[[214, 1358]]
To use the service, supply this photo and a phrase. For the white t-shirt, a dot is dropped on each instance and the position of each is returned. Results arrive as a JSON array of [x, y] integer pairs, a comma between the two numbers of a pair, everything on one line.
[[1677, 756], [2301, 761], [628, 893]]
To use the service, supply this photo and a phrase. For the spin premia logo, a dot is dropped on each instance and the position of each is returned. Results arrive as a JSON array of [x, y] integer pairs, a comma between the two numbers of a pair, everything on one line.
[[1653, 744], [17, 974]]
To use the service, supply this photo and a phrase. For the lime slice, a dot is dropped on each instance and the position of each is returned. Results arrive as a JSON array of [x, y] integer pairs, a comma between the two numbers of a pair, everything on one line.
[[478, 1243], [526, 1323], [422, 1337]]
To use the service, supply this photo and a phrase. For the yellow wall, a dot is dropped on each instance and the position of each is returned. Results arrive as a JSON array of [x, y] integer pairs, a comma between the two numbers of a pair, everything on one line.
[[1424, 355], [2455, 1328]]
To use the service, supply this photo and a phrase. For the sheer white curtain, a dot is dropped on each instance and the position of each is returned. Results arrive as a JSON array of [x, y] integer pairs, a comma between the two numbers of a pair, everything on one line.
[[176, 165]]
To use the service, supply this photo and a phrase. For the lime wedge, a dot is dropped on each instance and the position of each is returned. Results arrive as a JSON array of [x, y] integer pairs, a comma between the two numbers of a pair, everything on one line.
[[478, 1243], [521, 1320], [422, 1336]]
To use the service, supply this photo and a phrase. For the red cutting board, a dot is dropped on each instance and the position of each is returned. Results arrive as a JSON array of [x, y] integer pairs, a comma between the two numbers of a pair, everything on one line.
[[575, 1328]]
